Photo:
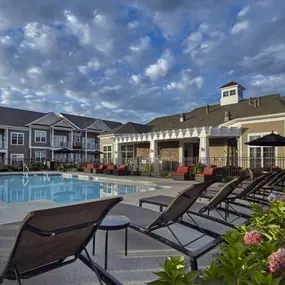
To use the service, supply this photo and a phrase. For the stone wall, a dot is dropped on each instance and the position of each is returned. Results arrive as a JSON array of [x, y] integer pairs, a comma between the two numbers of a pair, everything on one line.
[[169, 150], [142, 150]]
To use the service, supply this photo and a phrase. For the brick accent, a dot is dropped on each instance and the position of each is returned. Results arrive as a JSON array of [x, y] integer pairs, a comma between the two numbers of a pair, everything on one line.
[[142, 150], [169, 150]]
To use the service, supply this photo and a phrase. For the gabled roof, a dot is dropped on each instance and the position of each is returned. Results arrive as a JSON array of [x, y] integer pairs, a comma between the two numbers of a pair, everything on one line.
[[131, 128], [17, 117], [269, 104], [232, 83], [84, 122]]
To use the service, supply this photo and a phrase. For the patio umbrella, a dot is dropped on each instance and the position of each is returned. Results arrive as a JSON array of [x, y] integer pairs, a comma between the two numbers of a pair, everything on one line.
[[64, 151], [270, 140]]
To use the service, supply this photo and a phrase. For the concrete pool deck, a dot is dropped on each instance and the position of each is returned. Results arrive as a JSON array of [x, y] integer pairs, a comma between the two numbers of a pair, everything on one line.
[[144, 253]]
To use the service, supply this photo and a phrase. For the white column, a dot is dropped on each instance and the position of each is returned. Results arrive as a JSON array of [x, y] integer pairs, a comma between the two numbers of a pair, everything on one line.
[[71, 142], [6, 138], [153, 153], [52, 143], [204, 151], [181, 153], [85, 146], [117, 153]]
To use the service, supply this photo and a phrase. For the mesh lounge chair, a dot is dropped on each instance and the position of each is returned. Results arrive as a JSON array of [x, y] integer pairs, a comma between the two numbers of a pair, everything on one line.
[[147, 222], [52, 238]]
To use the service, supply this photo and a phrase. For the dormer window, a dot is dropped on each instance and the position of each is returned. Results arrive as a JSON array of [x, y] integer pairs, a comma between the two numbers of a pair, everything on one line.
[[226, 93], [232, 92]]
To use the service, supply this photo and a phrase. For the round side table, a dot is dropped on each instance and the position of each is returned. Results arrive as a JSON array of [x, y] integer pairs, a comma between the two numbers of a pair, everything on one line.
[[113, 223]]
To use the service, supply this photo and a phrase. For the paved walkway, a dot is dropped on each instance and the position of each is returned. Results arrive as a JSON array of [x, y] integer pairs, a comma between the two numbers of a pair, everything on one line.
[[144, 253]]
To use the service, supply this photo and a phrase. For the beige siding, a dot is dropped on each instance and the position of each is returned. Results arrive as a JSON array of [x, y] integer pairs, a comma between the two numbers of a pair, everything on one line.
[[107, 141], [217, 147], [267, 127]]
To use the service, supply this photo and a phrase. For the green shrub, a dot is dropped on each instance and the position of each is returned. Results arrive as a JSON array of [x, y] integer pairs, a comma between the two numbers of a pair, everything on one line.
[[252, 255]]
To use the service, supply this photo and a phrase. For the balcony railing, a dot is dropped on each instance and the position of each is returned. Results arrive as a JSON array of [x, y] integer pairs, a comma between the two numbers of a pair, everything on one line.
[[3, 144], [60, 144], [91, 145]]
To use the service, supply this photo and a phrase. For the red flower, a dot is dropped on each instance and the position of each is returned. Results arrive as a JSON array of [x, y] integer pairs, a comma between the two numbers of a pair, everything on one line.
[[253, 237], [277, 261]]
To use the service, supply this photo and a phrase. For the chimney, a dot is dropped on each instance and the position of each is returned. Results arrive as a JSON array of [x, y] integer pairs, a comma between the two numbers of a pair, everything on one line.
[[250, 101], [227, 116], [207, 109], [182, 117], [258, 102]]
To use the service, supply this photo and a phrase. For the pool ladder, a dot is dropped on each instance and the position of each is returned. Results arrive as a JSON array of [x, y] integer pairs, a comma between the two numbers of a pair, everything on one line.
[[25, 167]]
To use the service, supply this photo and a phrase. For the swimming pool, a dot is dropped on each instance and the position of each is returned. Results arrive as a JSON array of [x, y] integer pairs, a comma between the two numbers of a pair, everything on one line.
[[60, 189]]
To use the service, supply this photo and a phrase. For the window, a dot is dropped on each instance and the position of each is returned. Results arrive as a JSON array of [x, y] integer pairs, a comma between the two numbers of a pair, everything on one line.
[[77, 138], [60, 141], [17, 138], [40, 136], [225, 93], [260, 157], [107, 149], [17, 157], [40, 155], [127, 152], [232, 92]]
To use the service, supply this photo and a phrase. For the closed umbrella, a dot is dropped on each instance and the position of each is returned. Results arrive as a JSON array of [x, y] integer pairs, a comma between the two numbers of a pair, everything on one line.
[[270, 140]]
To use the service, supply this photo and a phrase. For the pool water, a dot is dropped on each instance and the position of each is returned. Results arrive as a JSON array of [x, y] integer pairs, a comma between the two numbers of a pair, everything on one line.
[[59, 189]]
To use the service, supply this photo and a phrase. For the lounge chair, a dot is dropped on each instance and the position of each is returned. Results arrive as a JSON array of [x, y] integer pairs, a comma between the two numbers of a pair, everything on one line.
[[110, 168], [122, 170], [89, 168], [208, 174], [182, 173], [99, 169], [52, 238], [148, 221]]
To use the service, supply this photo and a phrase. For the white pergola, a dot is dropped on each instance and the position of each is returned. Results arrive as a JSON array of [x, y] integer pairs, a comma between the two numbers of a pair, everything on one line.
[[201, 133]]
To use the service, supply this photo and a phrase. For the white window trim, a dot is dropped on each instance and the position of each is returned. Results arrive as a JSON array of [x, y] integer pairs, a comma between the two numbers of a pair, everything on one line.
[[251, 146], [107, 152], [41, 151], [45, 136], [17, 138], [18, 154], [128, 151]]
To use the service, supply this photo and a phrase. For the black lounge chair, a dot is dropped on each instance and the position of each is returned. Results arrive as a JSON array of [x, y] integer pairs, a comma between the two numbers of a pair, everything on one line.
[[52, 238], [148, 221]]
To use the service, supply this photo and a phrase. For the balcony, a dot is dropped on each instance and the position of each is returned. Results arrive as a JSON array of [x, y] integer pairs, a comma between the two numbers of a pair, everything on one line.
[[77, 145], [60, 144], [91, 145], [3, 144]]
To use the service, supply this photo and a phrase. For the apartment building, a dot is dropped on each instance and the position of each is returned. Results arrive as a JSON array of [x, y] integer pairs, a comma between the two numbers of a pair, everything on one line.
[[35, 136]]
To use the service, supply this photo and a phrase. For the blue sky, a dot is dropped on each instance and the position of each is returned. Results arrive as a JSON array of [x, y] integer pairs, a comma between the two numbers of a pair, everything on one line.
[[137, 60]]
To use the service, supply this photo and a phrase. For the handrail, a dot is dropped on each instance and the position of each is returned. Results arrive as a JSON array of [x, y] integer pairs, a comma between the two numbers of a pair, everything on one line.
[[25, 166]]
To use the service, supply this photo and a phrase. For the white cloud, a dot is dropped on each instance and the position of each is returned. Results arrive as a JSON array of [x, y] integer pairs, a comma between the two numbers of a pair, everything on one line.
[[135, 79], [240, 26], [34, 72], [161, 67], [133, 24], [82, 30], [92, 65], [108, 105], [243, 11], [143, 45]]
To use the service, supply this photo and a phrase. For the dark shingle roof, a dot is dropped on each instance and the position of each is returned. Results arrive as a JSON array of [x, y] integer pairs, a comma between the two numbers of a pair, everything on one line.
[[131, 128], [269, 104], [16, 117], [84, 122], [232, 83]]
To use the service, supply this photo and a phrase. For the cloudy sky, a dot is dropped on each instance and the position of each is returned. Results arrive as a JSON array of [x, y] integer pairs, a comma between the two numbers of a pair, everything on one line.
[[135, 60]]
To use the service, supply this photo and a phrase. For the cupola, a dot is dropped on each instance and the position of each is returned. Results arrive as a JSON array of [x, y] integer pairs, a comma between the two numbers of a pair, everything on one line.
[[231, 93]]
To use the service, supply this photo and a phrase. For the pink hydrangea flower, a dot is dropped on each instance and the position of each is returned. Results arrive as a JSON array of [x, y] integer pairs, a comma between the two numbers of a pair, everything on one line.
[[253, 238], [277, 260]]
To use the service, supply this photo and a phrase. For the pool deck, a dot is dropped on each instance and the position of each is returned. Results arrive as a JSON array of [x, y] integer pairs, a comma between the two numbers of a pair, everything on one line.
[[144, 253]]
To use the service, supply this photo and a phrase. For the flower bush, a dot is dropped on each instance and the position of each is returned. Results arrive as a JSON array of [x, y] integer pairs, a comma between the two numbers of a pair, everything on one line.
[[252, 255]]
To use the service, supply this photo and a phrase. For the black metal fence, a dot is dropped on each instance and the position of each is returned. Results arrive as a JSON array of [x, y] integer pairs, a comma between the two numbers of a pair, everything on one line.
[[158, 166]]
